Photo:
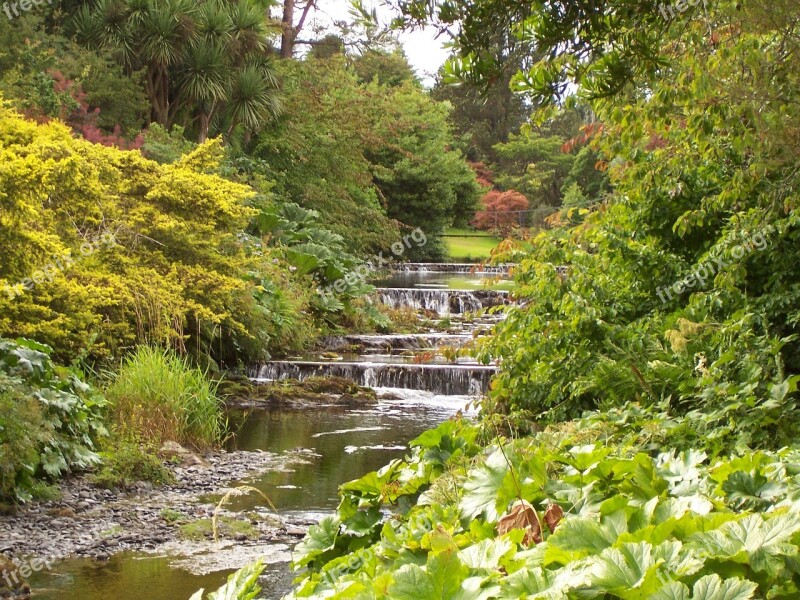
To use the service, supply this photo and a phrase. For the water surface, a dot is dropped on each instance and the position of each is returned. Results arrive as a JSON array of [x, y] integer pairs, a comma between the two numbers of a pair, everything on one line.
[[334, 445]]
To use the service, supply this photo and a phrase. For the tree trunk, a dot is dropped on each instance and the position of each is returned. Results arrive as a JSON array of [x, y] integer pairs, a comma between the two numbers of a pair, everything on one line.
[[289, 33], [204, 120], [157, 88]]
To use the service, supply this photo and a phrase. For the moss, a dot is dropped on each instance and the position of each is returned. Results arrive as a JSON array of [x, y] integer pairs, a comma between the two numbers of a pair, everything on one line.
[[227, 527], [126, 463], [313, 389], [172, 516], [45, 492]]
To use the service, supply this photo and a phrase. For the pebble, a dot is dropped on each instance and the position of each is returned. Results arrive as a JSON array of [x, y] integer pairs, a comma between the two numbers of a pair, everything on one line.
[[96, 523]]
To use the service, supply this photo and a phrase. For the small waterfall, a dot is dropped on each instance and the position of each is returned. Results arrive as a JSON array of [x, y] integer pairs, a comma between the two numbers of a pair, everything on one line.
[[397, 342], [410, 361], [447, 380], [442, 302]]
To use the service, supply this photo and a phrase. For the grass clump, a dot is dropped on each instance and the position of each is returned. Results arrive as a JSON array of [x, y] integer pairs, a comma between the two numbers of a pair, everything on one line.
[[128, 462], [158, 396], [172, 516], [226, 528]]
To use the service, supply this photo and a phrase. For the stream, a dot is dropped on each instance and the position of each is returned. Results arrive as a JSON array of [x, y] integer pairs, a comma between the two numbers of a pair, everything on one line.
[[336, 444]]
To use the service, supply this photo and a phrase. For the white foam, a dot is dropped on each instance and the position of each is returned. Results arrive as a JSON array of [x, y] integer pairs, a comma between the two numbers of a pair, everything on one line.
[[343, 431]]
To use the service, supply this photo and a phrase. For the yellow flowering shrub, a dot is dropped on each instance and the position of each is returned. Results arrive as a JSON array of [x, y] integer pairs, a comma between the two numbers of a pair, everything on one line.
[[102, 248]]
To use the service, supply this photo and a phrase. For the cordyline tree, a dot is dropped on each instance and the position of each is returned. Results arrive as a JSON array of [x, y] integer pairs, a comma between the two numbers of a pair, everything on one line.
[[207, 64]]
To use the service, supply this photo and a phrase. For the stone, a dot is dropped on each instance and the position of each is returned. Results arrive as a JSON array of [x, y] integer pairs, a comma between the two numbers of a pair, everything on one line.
[[173, 450], [12, 585]]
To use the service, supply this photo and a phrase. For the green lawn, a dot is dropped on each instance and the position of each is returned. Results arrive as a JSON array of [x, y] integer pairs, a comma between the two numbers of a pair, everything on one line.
[[468, 245]]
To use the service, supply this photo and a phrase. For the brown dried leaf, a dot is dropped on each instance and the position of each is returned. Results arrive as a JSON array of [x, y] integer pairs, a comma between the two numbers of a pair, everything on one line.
[[553, 516], [522, 516]]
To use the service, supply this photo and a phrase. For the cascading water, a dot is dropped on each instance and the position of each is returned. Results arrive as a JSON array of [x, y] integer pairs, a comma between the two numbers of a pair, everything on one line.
[[445, 380], [394, 343], [406, 361], [336, 444], [459, 268], [442, 302]]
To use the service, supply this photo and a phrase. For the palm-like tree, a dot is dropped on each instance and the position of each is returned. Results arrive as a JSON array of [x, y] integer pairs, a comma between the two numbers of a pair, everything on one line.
[[205, 63], [252, 99]]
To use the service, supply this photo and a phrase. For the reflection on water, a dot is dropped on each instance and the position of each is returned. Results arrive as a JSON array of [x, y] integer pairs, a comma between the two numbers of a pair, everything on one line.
[[453, 281], [343, 445], [346, 444], [125, 575]]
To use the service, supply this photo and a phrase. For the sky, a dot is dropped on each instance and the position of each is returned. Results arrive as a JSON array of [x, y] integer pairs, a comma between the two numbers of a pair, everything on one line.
[[425, 53]]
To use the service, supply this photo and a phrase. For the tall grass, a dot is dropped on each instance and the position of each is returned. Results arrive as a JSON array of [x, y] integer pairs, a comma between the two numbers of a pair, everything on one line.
[[158, 396]]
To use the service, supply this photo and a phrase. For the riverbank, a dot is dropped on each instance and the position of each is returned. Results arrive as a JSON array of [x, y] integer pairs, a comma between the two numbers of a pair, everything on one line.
[[296, 441], [87, 521]]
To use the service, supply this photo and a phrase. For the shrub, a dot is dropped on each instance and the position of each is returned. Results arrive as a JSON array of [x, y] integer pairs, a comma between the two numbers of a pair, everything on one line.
[[158, 396], [20, 436], [502, 211], [50, 420], [127, 462]]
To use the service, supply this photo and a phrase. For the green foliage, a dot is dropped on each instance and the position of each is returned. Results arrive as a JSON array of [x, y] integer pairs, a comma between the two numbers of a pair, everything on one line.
[[242, 585], [484, 115], [315, 252], [165, 263], [126, 462], [202, 61], [366, 156], [664, 325], [676, 291], [50, 420], [386, 68], [32, 57], [166, 147], [157, 397], [599, 49], [424, 182], [585, 177], [535, 165], [314, 152], [634, 526]]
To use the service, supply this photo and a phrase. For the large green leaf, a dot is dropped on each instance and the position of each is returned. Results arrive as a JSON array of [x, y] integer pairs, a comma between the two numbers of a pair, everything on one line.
[[320, 539], [304, 263], [577, 537], [487, 554], [482, 488], [636, 571], [242, 585], [446, 572], [536, 583], [755, 540], [710, 587], [411, 582], [754, 491]]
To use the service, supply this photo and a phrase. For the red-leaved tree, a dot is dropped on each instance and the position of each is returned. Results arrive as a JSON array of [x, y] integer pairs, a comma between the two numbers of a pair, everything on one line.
[[502, 211], [83, 119], [484, 174]]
